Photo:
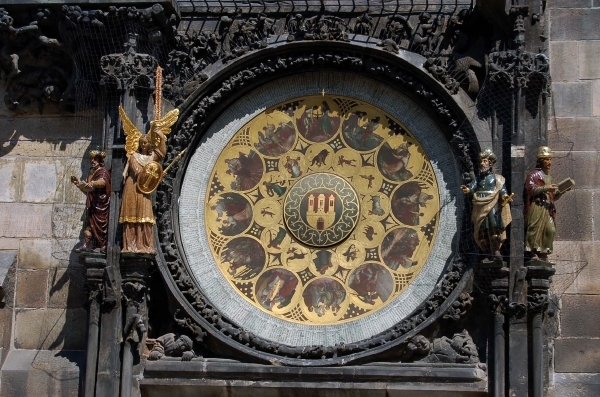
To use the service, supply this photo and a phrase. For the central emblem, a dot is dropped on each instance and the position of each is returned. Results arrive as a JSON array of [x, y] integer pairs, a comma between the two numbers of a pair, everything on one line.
[[321, 209]]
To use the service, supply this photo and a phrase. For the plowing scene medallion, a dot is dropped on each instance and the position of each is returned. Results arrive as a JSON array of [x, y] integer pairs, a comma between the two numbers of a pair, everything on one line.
[[322, 210]]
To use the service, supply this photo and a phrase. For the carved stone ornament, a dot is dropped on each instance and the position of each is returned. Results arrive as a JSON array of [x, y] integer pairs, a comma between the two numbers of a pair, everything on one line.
[[460, 349], [195, 303], [171, 345]]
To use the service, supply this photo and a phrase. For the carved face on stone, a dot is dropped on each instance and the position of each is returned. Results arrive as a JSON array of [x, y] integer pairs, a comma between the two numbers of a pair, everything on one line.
[[178, 347]]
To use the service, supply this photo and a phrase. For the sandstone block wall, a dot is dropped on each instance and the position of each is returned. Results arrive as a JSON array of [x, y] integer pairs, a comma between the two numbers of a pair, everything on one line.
[[44, 320], [574, 132]]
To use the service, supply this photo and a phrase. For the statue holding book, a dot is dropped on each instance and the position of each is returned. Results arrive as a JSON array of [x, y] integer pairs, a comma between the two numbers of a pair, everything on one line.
[[540, 193]]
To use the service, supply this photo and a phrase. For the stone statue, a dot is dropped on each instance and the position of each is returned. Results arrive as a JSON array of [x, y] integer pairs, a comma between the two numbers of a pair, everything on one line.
[[491, 213], [142, 174], [460, 349], [539, 195], [171, 345], [97, 189]]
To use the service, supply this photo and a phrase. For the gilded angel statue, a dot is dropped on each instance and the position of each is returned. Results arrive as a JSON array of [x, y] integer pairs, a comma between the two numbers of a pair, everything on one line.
[[142, 174]]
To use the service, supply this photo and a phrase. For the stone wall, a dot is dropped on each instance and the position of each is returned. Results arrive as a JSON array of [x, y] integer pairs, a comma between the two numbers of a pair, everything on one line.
[[43, 323], [575, 133]]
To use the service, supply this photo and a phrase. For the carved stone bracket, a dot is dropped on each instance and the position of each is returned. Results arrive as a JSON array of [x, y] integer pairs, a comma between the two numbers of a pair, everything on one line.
[[134, 275], [493, 280], [539, 276], [516, 68], [98, 284], [129, 69]]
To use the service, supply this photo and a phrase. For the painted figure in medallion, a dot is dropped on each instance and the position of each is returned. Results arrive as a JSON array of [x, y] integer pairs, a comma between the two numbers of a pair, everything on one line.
[[371, 282], [274, 141], [96, 187], [393, 162], [407, 202], [539, 195], [398, 248], [324, 295], [491, 212], [361, 137], [144, 154], [245, 256], [247, 170], [234, 212], [318, 123], [275, 288]]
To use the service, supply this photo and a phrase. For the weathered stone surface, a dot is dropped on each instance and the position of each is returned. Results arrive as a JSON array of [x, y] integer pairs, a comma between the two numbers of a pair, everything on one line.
[[589, 52], [580, 317], [46, 136], [42, 182], [563, 61], [574, 133], [596, 204], [66, 288], [575, 385], [577, 355], [67, 221], [572, 216], [583, 167], [570, 4], [212, 377], [25, 220], [10, 176], [78, 167], [5, 330], [30, 284], [596, 98], [62, 252], [574, 24], [573, 99], [9, 244], [42, 373], [36, 254], [577, 267], [50, 329]]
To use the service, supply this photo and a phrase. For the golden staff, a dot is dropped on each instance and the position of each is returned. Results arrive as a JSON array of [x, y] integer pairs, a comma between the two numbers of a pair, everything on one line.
[[176, 159], [157, 104]]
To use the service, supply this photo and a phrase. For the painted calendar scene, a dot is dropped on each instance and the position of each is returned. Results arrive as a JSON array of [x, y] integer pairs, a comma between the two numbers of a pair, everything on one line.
[[322, 210]]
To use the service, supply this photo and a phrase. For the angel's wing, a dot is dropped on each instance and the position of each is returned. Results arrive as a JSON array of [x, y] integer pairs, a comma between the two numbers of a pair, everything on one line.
[[132, 134], [164, 124]]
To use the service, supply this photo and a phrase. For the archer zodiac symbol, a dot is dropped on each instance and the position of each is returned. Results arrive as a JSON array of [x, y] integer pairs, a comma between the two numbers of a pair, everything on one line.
[[342, 161], [265, 211]]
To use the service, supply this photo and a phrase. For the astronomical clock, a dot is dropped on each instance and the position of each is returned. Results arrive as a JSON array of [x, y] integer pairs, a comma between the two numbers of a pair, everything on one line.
[[318, 213]]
